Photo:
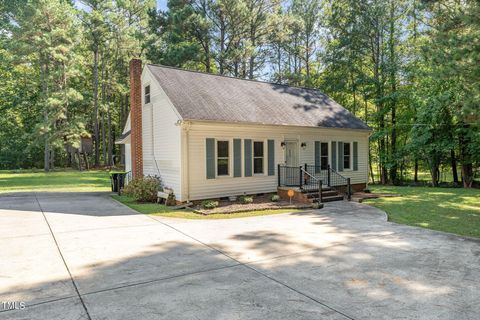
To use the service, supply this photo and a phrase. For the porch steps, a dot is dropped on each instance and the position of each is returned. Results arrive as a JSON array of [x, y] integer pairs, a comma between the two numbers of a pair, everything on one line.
[[328, 195]]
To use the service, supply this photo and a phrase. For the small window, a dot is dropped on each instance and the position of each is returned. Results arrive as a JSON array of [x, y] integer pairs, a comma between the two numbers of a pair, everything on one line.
[[324, 156], [222, 158], [346, 155], [258, 157], [147, 94]]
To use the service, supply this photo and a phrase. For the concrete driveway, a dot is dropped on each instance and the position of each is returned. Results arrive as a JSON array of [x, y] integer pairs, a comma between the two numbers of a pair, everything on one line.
[[73, 256]]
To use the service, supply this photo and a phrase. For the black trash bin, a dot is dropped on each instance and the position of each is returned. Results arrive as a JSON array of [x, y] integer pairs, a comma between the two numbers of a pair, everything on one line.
[[117, 180], [113, 180]]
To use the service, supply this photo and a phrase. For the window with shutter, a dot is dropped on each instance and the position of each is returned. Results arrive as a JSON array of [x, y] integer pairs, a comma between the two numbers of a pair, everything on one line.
[[222, 158], [258, 157]]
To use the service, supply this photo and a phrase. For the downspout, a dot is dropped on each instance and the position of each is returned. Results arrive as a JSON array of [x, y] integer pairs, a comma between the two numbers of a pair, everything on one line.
[[185, 125]]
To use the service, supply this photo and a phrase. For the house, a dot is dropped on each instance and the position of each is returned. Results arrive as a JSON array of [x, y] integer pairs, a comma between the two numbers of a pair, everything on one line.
[[210, 136]]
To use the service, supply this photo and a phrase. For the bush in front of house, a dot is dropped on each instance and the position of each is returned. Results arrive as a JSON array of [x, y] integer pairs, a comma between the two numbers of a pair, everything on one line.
[[275, 198], [143, 189], [246, 199], [209, 204]]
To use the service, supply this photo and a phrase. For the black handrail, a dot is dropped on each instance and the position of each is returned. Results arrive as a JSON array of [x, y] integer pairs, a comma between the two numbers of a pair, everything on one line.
[[308, 177], [332, 177], [311, 183]]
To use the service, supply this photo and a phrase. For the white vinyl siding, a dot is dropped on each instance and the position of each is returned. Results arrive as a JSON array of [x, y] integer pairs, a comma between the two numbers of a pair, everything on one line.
[[202, 188], [161, 137]]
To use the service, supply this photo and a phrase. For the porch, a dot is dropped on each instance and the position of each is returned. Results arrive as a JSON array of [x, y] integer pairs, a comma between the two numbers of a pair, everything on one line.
[[312, 183]]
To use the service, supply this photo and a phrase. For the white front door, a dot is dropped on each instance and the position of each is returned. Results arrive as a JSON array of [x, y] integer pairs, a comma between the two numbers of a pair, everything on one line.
[[291, 153]]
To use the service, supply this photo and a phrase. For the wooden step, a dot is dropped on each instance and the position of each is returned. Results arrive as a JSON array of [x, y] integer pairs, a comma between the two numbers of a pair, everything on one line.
[[316, 190], [332, 198], [328, 199], [324, 194], [330, 193]]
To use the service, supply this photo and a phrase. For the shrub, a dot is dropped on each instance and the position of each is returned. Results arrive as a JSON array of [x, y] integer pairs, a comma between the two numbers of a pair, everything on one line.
[[246, 199], [209, 204], [366, 190], [143, 189], [275, 198]]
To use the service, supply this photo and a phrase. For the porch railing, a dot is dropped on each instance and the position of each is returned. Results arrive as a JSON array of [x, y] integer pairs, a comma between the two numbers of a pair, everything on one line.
[[309, 177]]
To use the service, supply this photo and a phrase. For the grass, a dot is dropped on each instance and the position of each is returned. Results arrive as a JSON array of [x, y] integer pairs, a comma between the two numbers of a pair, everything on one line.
[[164, 211], [454, 210], [57, 181]]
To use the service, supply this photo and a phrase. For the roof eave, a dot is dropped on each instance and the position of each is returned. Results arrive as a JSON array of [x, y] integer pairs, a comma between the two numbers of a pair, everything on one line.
[[277, 125]]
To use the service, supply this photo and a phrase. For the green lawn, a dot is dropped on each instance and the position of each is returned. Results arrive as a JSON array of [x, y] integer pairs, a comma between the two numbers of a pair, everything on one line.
[[453, 210], [58, 181], [162, 210]]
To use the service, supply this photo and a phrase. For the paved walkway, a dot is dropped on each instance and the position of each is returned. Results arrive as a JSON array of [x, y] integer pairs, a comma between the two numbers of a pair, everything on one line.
[[72, 256]]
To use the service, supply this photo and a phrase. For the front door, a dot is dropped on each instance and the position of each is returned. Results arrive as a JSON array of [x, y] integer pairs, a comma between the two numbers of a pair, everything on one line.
[[291, 162], [291, 153]]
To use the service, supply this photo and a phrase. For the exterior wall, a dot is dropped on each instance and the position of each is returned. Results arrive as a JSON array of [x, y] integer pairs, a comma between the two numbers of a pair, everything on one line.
[[161, 136], [128, 157], [197, 186]]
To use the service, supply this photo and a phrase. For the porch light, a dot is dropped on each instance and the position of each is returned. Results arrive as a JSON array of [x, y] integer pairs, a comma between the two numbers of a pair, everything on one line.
[[303, 145], [282, 144]]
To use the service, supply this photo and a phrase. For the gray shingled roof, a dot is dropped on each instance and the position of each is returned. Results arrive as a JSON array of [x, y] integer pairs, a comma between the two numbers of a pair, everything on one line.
[[202, 96]]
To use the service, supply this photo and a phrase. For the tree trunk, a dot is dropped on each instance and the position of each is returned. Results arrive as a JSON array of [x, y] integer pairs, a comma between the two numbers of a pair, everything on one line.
[[465, 157], [46, 150], [370, 167], [85, 158], [434, 173], [79, 161], [104, 141], [251, 66], [467, 175], [95, 107], [221, 67], [454, 166], [103, 84], [393, 87], [110, 140], [415, 174]]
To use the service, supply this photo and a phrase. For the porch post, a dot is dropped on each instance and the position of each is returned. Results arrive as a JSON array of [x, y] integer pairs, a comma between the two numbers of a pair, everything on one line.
[[320, 200], [301, 178], [349, 190], [328, 175], [278, 173]]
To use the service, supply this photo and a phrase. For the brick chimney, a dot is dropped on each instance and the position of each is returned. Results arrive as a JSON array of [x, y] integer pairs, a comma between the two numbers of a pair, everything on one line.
[[136, 117]]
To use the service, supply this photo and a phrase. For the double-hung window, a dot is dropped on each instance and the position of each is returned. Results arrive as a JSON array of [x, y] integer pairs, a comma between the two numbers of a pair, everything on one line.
[[222, 158], [346, 155], [258, 157], [147, 94], [324, 156]]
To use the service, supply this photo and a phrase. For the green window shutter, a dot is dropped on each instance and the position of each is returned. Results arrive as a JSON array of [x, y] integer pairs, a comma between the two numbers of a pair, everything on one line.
[[340, 156], [334, 155], [271, 157], [237, 157], [317, 156], [355, 156], [247, 144], [210, 152]]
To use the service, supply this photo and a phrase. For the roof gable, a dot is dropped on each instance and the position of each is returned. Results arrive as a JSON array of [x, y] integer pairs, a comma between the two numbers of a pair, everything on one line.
[[202, 96]]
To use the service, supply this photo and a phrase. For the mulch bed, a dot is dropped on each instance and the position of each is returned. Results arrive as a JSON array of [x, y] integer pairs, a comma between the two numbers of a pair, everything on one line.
[[259, 203]]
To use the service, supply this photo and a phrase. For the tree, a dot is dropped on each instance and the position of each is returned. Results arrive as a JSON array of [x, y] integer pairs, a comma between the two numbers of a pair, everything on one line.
[[47, 36]]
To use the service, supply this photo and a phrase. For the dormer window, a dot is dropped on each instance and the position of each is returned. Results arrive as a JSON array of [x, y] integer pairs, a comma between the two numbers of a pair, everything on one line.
[[147, 94]]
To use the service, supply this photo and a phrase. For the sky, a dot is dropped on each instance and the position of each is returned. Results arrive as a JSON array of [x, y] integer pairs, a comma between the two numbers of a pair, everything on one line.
[[162, 4]]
